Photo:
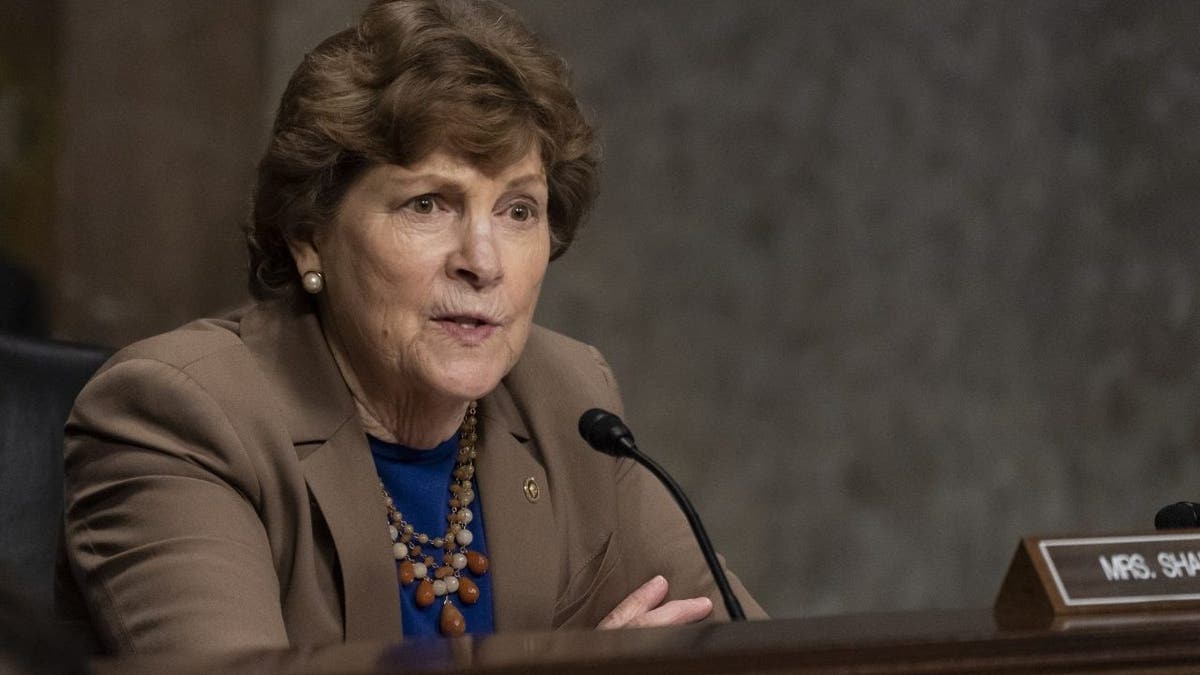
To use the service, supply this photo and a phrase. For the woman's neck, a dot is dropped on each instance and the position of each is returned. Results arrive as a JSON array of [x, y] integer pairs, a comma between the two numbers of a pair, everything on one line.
[[409, 424], [398, 415]]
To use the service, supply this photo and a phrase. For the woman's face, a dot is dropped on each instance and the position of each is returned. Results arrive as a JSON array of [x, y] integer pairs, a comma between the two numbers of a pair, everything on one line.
[[432, 272]]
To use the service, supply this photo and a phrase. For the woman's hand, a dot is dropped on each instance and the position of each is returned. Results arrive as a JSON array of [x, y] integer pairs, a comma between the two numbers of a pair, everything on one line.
[[644, 608]]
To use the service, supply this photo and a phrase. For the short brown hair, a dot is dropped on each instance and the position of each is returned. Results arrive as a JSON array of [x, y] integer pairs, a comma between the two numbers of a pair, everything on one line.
[[415, 76]]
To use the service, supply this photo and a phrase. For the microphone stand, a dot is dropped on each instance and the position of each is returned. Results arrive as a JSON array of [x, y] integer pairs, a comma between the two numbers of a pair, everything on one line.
[[710, 556]]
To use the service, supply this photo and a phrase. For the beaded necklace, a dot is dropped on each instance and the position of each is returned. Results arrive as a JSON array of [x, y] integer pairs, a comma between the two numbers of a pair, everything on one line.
[[415, 564]]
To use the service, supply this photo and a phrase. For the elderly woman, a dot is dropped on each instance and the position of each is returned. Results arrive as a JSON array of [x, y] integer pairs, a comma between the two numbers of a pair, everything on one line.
[[383, 444]]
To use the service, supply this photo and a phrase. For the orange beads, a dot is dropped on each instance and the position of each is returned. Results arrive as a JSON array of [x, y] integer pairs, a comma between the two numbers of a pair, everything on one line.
[[477, 562], [468, 592], [425, 593], [405, 572], [451, 621]]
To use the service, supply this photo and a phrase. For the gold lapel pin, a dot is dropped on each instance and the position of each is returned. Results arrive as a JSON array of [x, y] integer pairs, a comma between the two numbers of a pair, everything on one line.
[[532, 491]]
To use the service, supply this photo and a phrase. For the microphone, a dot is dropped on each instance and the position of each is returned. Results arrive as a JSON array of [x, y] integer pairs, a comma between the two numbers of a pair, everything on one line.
[[1180, 515], [606, 432]]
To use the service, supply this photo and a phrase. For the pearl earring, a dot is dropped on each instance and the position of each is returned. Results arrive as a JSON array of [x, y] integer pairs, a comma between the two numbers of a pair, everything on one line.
[[313, 282]]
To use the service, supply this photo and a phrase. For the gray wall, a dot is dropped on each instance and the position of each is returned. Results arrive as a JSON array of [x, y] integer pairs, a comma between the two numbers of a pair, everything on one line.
[[887, 284], [161, 124]]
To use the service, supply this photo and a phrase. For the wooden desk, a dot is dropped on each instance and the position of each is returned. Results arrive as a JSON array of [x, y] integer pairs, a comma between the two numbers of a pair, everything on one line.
[[917, 642]]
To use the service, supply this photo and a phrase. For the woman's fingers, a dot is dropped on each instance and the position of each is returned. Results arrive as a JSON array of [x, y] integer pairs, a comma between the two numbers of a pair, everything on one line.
[[644, 608], [674, 613], [645, 598]]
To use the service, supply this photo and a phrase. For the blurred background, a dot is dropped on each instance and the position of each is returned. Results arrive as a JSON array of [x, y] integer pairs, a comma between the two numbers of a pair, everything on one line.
[[887, 285]]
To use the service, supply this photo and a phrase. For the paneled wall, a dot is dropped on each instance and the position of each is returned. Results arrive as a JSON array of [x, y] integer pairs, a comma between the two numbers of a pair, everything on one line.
[[161, 123], [887, 284]]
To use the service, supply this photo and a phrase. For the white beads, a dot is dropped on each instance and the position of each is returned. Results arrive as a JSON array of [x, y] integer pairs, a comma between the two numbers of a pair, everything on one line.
[[458, 561], [467, 497], [439, 588], [393, 532], [422, 538], [464, 538], [419, 570], [399, 551], [465, 516], [451, 584]]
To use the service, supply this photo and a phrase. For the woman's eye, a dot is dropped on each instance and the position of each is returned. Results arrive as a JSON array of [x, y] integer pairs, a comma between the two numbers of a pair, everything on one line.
[[423, 204], [520, 212]]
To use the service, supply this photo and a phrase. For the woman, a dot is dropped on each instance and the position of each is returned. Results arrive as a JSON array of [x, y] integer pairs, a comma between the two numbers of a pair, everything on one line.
[[383, 444]]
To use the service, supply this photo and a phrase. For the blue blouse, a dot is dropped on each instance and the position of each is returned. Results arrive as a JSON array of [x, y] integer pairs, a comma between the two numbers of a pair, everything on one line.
[[419, 483]]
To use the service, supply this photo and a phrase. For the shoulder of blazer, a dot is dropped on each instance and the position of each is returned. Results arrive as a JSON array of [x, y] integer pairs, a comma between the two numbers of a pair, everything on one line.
[[273, 347], [183, 346], [560, 374], [556, 381]]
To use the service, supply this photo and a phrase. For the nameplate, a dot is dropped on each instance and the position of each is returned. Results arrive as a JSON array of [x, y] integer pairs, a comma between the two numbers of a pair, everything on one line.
[[1083, 575]]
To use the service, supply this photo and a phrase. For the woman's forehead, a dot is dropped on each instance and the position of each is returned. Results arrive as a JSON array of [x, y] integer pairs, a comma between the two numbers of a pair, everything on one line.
[[443, 169], [447, 165]]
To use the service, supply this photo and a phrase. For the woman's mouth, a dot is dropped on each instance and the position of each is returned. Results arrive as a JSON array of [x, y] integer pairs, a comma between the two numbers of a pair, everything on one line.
[[467, 328]]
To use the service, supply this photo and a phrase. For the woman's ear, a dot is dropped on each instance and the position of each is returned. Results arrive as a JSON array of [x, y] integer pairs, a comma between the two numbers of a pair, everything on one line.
[[304, 252]]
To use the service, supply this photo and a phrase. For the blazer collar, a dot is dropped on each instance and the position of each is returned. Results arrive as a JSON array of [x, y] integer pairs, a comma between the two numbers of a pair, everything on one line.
[[286, 338]]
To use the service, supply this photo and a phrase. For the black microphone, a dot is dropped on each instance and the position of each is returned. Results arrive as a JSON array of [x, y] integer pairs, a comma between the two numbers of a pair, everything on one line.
[[1180, 515], [606, 432]]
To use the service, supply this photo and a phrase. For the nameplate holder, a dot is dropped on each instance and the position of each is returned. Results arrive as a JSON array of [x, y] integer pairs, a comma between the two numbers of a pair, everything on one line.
[[1135, 573]]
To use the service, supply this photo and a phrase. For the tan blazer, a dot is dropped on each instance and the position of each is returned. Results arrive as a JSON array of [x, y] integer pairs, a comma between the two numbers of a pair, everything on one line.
[[220, 493]]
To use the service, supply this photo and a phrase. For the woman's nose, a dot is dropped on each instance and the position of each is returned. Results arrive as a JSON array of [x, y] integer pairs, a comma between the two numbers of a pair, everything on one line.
[[477, 260]]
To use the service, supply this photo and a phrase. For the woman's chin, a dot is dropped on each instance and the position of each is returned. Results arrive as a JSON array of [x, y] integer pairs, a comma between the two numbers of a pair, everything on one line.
[[468, 374], [467, 386]]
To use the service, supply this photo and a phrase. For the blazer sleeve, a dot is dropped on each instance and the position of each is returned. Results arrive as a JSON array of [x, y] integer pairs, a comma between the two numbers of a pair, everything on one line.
[[161, 527], [658, 540]]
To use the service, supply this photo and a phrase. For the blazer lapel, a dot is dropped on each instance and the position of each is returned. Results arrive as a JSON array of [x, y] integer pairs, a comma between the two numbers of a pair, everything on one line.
[[337, 473], [316, 406], [520, 530]]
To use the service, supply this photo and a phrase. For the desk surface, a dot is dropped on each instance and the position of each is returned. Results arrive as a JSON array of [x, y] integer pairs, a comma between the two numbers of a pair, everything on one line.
[[911, 642]]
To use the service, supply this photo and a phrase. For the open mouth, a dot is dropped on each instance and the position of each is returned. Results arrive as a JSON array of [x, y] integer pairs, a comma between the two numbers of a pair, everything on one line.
[[464, 321], [469, 328]]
